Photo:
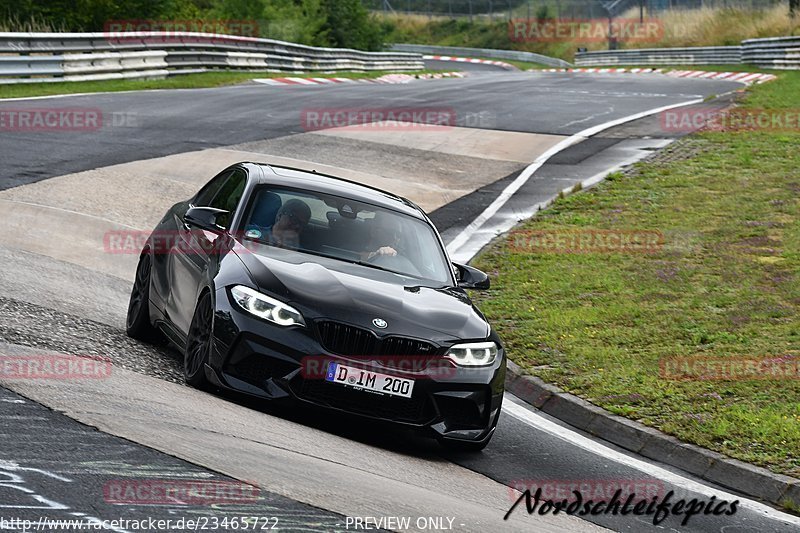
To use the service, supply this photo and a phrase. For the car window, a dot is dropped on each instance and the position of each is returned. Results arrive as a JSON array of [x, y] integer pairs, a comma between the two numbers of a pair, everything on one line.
[[207, 193], [319, 210], [347, 230], [229, 195]]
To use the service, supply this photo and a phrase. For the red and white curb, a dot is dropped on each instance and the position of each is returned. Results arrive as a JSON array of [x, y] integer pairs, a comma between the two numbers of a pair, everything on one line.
[[744, 77], [387, 79], [501, 64]]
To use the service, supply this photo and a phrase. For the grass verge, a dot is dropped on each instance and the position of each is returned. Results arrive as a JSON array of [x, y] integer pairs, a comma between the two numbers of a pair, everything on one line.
[[187, 81], [724, 285]]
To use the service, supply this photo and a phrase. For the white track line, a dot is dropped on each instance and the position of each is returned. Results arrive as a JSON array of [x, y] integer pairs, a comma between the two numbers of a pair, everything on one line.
[[455, 246], [533, 419]]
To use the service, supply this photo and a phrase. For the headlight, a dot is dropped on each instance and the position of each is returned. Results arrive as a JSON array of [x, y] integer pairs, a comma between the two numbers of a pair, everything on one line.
[[473, 354], [267, 308]]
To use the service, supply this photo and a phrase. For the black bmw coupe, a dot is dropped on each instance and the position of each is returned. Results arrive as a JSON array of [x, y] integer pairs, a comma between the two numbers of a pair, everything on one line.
[[287, 284]]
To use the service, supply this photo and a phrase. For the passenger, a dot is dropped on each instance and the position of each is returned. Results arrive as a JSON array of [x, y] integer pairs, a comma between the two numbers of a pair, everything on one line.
[[290, 221]]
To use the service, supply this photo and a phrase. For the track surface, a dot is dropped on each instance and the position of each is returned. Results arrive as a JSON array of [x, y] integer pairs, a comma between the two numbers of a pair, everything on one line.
[[73, 456], [157, 123], [162, 123]]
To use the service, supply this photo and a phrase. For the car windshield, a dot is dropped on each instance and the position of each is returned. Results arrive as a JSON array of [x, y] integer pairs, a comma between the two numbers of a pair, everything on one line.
[[347, 230]]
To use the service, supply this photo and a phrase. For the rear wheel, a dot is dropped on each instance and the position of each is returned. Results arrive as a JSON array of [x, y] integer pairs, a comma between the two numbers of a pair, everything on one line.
[[198, 344], [137, 323]]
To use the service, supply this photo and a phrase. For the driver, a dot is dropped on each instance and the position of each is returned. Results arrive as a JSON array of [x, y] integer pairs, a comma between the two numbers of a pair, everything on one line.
[[384, 239]]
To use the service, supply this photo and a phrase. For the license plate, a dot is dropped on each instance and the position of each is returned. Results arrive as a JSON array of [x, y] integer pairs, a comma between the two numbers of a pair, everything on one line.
[[371, 381]]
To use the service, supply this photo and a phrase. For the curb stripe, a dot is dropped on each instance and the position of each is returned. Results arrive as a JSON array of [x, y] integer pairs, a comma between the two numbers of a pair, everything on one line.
[[502, 64], [742, 77], [385, 79]]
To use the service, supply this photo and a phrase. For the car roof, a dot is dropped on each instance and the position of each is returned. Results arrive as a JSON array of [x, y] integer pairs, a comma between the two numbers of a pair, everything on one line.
[[324, 183]]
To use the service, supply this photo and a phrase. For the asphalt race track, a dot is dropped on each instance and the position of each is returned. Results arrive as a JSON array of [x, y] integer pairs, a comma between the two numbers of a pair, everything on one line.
[[169, 122], [60, 291]]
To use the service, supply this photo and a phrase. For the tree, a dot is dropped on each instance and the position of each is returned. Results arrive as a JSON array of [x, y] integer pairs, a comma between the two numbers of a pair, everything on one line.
[[794, 8], [348, 24], [80, 15]]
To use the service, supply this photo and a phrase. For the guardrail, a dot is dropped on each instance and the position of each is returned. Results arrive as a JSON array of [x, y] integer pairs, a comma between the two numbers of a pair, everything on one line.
[[490, 53], [773, 52], [700, 55], [43, 57]]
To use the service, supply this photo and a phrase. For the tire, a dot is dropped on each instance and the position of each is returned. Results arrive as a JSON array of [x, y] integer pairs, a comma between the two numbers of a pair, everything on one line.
[[137, 322], [198, 344]]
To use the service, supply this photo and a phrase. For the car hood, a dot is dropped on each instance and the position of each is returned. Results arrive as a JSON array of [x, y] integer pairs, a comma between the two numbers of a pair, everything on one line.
[[323, 288]]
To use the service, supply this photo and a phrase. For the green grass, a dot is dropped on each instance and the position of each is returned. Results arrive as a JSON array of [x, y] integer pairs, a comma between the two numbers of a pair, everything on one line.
[[725, 284], [187, 81]]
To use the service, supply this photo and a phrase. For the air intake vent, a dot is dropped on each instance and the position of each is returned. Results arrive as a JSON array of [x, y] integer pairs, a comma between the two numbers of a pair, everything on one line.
[[344, 339]]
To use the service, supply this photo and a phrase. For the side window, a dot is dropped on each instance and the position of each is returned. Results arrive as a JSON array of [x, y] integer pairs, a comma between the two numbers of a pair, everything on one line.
[[207, 193], [229, 196]]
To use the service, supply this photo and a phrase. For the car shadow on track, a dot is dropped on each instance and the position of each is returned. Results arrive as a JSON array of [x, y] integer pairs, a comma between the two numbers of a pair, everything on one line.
[[372, 433]]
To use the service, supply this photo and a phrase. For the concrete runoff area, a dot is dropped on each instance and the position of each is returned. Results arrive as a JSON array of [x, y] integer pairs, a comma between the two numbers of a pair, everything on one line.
[[490, 144]]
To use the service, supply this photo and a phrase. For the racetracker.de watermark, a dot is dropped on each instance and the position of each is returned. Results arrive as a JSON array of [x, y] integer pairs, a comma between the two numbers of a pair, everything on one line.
[[378, 119], [589, 489], [686, 120], [419, 366], [176, 491], [598, 30], [164, 242], [54, 367], [583, 241], [175, 31], [702, 368], [64, 119]]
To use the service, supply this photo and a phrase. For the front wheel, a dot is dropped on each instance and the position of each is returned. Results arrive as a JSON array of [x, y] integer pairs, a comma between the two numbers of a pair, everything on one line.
[[198, 344]]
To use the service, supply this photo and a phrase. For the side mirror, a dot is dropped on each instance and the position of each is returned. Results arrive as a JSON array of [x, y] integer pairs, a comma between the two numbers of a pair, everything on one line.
[[204, 218], [471, 278]]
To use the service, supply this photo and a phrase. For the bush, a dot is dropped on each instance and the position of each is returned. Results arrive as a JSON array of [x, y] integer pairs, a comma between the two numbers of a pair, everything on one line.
[[338, 23]]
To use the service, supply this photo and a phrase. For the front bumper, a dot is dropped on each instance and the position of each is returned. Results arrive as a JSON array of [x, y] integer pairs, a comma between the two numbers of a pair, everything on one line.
[[272, 362]]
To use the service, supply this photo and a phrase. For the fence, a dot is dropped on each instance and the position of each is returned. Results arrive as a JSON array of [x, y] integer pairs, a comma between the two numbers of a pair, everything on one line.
[[481, 52], [43, 57], [502, 10], [773, 52]]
